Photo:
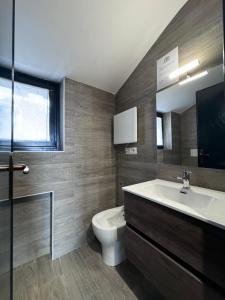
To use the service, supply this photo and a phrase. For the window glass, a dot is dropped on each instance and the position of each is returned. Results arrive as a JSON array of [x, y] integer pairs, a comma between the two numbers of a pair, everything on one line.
[[31, 105], [159, 132], [31, 112], [5, 109]]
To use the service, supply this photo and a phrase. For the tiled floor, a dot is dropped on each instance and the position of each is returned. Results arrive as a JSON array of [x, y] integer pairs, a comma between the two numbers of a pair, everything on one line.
[[78, 275]]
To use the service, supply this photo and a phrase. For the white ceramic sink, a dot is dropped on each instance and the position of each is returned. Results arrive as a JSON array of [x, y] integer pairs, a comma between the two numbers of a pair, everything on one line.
[[205, 204]]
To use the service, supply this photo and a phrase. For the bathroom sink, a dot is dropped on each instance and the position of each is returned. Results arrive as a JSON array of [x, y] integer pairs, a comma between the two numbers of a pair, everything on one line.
[[205, 204], [191, 199]]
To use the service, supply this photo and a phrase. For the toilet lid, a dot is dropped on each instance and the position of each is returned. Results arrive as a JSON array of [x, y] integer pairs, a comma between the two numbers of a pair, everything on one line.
[[110, 218]]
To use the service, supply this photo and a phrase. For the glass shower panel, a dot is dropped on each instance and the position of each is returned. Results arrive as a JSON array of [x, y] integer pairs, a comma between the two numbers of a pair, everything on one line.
[[6, 61]]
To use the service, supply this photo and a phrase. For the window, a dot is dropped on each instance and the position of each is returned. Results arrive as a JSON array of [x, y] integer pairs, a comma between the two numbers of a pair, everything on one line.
[[159, 127], [36, 112]]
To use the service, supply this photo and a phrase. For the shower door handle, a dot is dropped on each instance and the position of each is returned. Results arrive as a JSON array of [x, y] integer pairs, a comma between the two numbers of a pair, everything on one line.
[[20, 167]]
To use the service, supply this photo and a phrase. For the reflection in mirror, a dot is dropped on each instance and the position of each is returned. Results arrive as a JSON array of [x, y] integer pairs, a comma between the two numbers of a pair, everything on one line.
[[185, 139], [191, 113], [177, 108]]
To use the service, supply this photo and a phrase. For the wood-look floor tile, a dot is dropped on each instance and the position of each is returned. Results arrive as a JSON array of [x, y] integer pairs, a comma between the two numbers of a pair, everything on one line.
[[53, 290], [4, 286], [79, 275]]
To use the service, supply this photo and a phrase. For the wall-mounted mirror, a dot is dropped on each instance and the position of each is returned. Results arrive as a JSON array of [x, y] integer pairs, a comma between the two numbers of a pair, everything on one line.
[[191, 113]]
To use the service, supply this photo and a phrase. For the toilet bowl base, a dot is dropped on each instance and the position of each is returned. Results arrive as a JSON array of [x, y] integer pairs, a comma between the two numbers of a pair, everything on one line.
[[114, 254]]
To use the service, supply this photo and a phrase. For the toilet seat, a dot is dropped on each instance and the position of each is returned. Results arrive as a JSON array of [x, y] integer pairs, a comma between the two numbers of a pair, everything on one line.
[[110, 219]]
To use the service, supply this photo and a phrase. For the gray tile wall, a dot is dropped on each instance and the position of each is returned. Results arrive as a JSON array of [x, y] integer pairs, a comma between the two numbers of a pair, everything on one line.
[[172, 156], [83, 178], [197, 26], [189, 136], [5, 239], [31, 228]]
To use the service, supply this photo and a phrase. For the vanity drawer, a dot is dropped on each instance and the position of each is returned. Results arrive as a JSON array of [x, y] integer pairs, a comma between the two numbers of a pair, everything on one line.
[[172, 280], [198, 244]]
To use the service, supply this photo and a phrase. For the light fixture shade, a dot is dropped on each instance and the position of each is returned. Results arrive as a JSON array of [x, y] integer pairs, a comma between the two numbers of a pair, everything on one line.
[[186, 68], [191, 78]]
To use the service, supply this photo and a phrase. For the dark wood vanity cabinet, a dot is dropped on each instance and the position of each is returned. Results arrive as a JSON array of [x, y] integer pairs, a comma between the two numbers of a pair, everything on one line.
[[182, 256]]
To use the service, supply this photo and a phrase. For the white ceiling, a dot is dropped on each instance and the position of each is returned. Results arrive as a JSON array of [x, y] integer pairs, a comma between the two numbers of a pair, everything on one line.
[[97, 42]]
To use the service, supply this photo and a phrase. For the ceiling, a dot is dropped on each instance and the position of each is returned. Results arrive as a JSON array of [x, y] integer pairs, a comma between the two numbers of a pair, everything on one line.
[[97, 42]]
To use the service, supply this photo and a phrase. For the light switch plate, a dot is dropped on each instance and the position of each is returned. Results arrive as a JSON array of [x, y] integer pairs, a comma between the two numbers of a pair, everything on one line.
[[131, 151]]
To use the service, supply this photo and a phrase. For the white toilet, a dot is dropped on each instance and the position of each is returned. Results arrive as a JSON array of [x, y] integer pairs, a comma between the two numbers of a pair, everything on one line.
[[109, 226]]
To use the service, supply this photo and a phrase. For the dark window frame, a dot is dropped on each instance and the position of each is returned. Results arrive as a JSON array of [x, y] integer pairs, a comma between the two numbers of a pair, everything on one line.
[[54, 126], [160, 115]]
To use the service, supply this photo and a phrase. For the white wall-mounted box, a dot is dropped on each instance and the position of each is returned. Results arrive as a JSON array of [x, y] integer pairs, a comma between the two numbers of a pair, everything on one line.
[[125, 127]]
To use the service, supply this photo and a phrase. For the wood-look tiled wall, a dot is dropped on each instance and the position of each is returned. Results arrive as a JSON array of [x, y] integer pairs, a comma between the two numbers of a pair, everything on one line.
[[196, 30], [83, 178], [31, 228]]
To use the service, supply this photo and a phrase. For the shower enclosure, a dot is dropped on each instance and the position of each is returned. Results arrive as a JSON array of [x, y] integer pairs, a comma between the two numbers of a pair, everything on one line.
[[7, 167], [6, 136]]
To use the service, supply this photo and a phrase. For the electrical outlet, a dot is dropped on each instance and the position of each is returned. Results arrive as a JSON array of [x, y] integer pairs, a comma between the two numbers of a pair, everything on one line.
[[131, 151]]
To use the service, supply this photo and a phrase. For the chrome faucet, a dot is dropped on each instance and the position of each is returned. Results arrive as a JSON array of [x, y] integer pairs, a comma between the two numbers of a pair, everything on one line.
[[186, 178]]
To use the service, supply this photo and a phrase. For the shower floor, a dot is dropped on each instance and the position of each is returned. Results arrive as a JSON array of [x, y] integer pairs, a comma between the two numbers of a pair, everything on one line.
[[80, 274]]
